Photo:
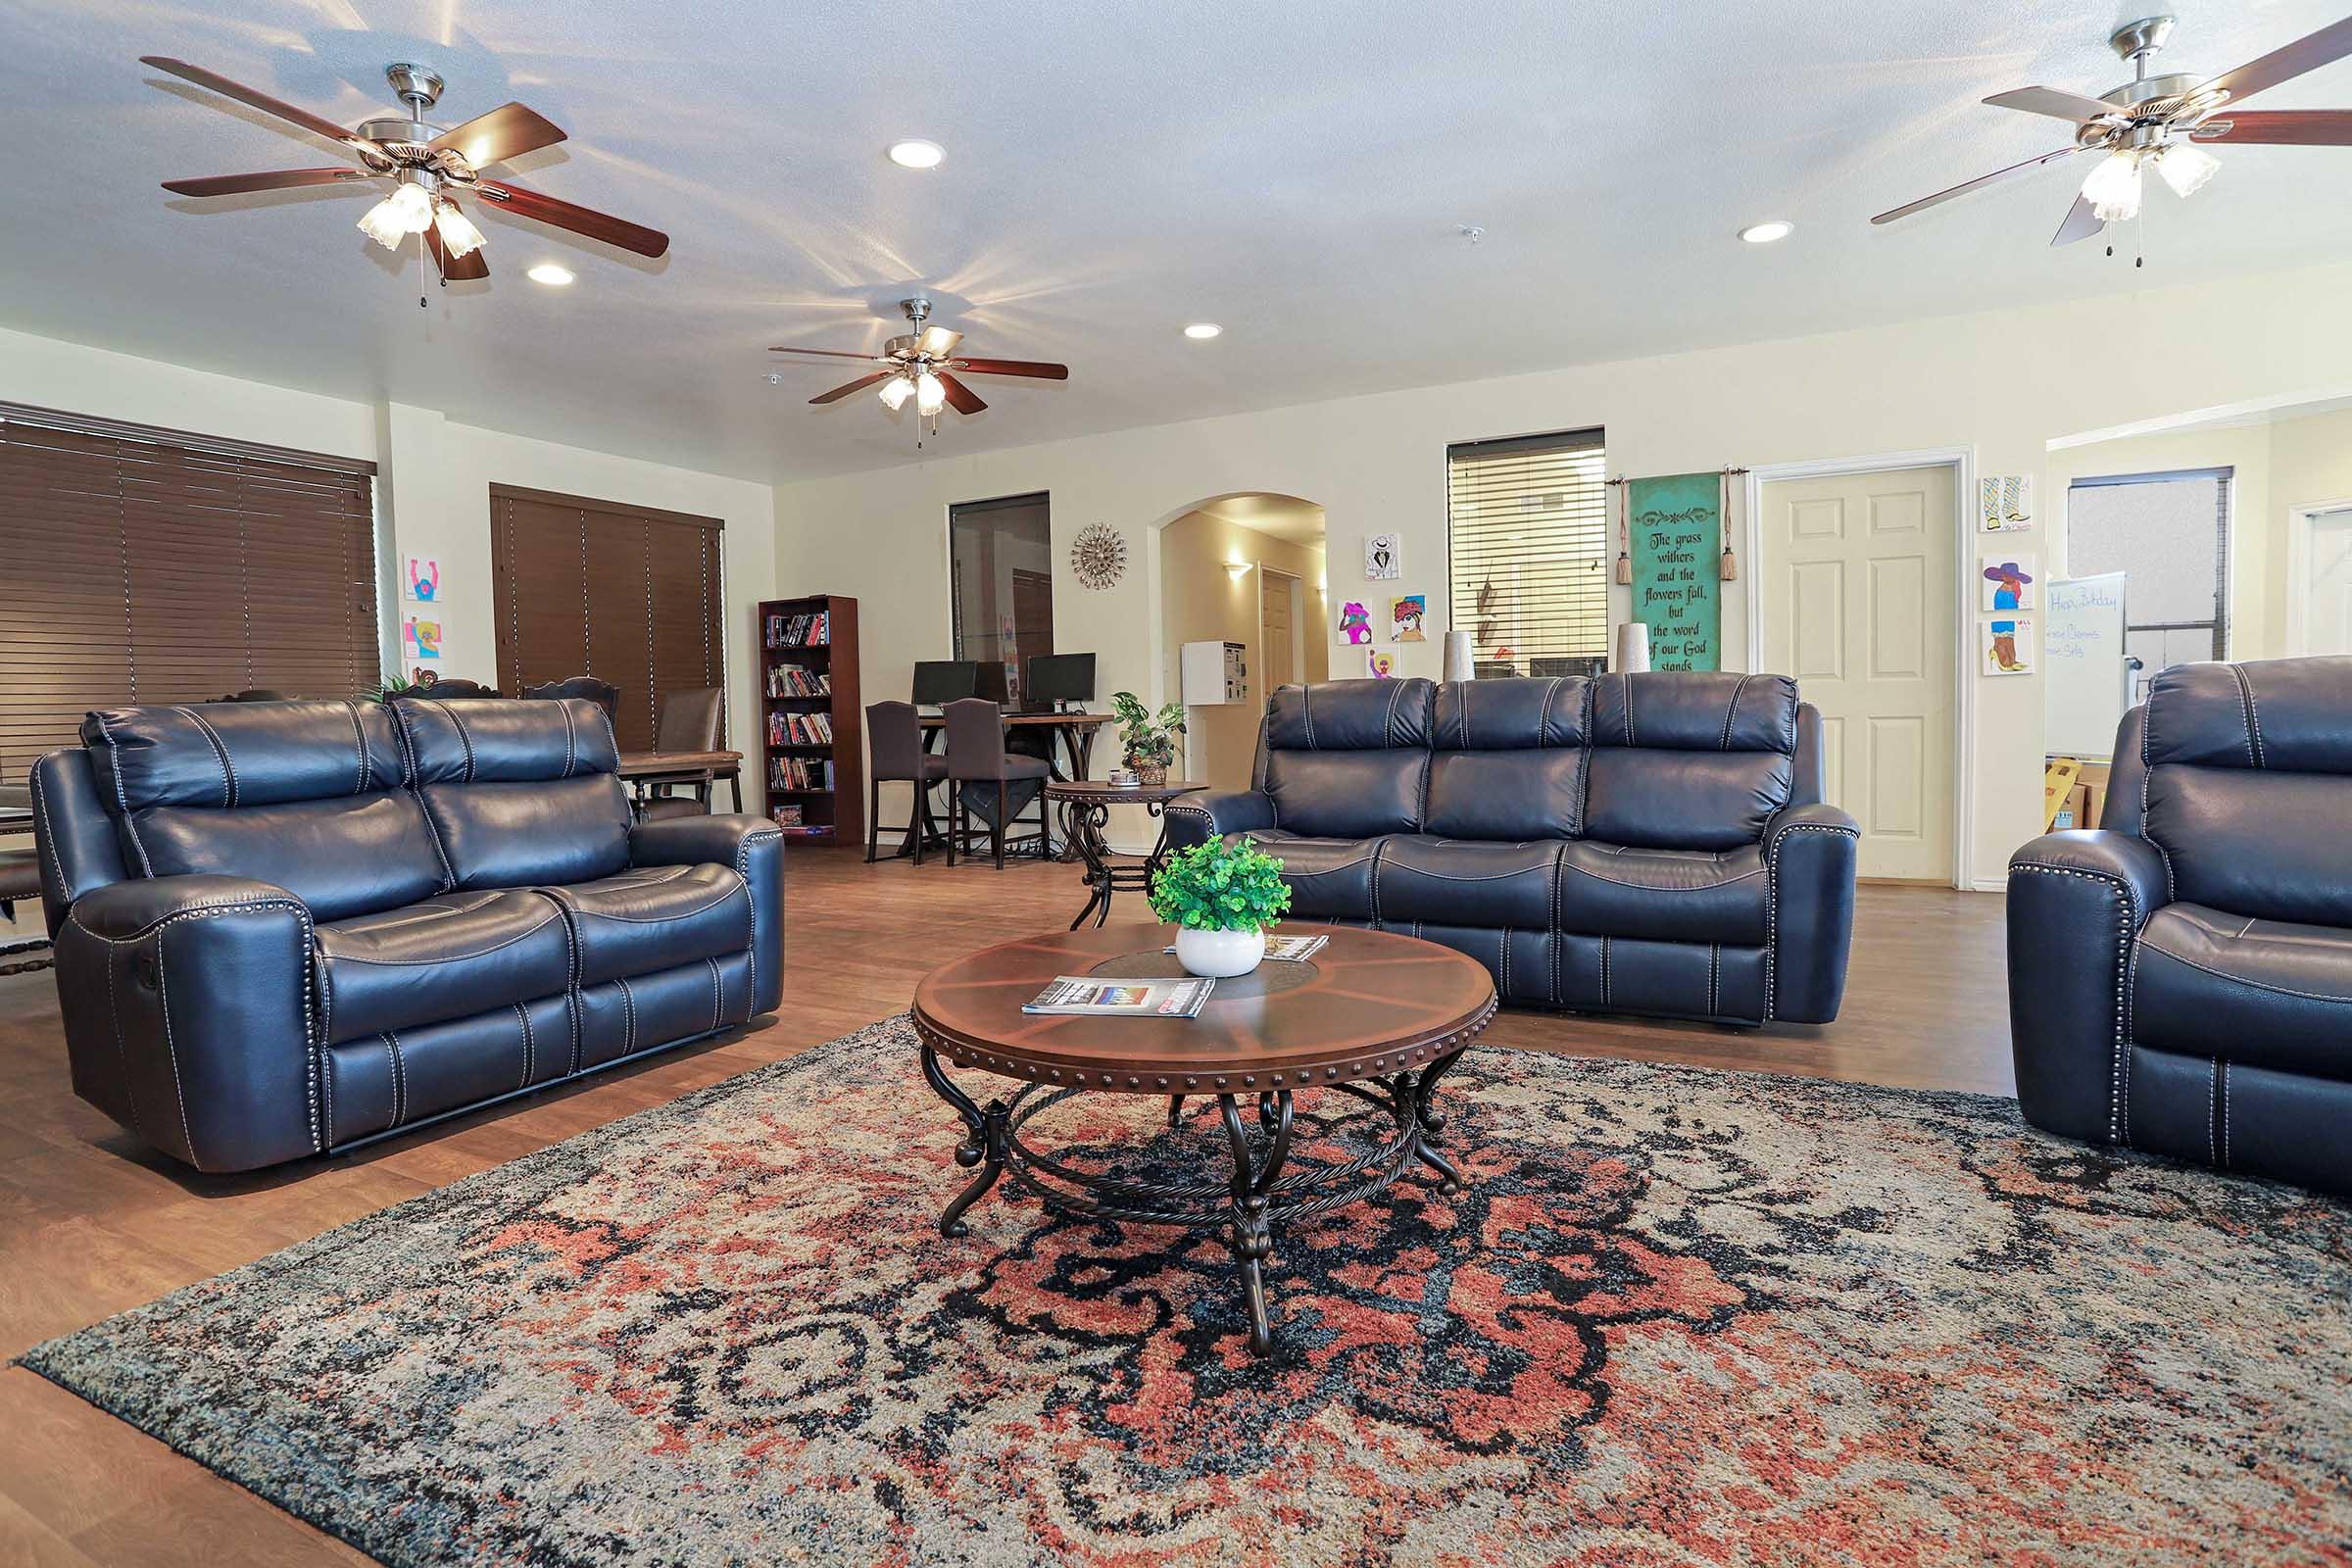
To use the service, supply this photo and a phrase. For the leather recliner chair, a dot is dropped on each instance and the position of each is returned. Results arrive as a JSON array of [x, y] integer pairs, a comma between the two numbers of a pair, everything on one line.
[[2180, 978], [1646, 844], [289, 928]]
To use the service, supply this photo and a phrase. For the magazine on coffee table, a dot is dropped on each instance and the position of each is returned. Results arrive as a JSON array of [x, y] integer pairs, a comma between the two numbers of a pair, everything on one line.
[[1290, 950], [1090, 997]]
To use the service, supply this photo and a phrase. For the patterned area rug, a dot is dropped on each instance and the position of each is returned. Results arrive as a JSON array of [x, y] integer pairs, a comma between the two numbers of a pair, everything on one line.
[[1676, 1317]]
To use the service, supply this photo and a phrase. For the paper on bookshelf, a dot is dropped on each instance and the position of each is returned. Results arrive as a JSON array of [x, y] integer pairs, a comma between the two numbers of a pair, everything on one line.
[[1091, 997]]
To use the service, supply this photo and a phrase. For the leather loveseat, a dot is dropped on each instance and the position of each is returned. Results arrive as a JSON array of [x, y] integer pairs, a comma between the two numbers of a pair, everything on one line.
[[287, 928], [2181, 979], [1646, 844]]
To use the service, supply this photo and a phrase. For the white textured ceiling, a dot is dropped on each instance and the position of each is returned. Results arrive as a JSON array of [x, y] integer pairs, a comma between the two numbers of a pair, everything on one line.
[[1296, 171]]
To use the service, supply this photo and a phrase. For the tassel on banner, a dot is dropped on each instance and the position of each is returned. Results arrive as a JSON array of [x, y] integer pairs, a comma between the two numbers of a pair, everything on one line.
[[1625, 557], [1728, 567]]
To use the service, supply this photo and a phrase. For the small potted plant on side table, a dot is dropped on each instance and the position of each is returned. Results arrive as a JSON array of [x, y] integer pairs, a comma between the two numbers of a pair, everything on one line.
[[1221, 897], [1150, 743]]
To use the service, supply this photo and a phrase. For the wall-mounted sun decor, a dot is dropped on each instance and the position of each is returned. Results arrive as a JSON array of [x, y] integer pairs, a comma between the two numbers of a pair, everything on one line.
[[1099, 556]]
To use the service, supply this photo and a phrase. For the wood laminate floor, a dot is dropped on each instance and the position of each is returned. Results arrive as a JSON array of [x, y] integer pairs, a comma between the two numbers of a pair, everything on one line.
[[92, 1223]]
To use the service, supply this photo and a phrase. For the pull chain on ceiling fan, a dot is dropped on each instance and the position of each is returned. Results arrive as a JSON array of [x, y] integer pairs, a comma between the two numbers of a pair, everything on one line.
[[2159, 123], [428, 168], [922, 365]]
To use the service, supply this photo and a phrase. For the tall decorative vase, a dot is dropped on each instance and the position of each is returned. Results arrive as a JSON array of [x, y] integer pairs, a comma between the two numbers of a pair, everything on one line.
[[1459, 665], [1633, 648]]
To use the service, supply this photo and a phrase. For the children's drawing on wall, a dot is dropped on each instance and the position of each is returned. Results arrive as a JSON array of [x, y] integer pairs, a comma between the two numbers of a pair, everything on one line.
[[1380, 665], [1405, 617], [1356, 623], [424, 579], [421, 638], [1381, 558], [2008, 645], [2008, 584], [2005, 502]]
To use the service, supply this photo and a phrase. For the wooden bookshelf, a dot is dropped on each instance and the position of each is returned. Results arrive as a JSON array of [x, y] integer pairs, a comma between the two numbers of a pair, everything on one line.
[[808, 688]]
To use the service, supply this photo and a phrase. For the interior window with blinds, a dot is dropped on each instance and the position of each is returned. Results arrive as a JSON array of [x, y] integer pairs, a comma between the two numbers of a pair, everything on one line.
[[626, 594], [2169, 534], [150, 566], [1526, 524]]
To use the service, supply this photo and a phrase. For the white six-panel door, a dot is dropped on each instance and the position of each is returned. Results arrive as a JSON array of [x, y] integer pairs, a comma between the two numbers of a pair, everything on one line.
[[2328, 587], [1857, 597]]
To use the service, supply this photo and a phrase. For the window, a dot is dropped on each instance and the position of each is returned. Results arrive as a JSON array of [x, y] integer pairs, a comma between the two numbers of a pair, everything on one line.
[[626, 594], [1002, 570], [1527, 529], [150, 566], [2170, 534]]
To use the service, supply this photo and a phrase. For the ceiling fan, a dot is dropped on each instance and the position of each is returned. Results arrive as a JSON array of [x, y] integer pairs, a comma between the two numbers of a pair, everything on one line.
[[428, 168], [922, 363], [2159, 122]]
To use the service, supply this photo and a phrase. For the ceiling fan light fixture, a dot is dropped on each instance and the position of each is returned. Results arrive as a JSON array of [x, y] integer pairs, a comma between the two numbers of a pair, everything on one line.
[[2114, 188], [895, 393], [916, 152], [2186, 166], [929, 395], [408, 209], [459, 236]]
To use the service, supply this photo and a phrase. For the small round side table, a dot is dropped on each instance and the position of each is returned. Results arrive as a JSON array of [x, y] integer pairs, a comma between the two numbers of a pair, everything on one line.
[[1085, 807]]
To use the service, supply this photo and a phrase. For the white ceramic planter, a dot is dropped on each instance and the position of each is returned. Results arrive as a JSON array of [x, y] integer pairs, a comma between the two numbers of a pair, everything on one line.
[[1220, 954]]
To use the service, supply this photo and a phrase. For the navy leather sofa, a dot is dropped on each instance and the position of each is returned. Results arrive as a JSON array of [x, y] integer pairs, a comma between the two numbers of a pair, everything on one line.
[[1644, 844], [2180, 978], [285, 928]]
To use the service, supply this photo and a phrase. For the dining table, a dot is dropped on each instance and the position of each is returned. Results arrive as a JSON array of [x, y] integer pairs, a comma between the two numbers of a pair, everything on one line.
[[642, 770]]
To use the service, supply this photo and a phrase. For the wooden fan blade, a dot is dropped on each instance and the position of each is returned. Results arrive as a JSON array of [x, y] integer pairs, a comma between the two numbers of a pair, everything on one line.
[[464, 268], [2081, 221], [831, 354], [579, 219], [2281, 128], [275, 180], [1908, 208], [859, 385], [939, 342], [252, 99], [1036, 367], [507, 131], [2055, 102], [962, 399], [2331, 42]]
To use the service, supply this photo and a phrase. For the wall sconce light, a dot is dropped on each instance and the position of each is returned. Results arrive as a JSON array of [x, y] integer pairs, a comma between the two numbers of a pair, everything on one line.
[[1237, 569]]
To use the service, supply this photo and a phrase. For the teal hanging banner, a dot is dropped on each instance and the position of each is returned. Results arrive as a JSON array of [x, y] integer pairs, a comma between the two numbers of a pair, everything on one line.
[[1676, 525]]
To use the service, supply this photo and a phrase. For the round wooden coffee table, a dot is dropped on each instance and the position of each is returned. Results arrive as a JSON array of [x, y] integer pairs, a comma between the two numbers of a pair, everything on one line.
[[1373, 1015]]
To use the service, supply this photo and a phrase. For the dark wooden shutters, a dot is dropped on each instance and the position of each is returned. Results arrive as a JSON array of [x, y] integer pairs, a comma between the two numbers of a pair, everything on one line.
[[626, 594], [154, 567]]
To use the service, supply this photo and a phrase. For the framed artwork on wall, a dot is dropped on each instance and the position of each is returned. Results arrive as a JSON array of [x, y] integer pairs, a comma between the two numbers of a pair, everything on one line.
[[2008, 580], [1407, 614], [2007, 645], [422, 581], [1382, 559], [1355, 623], [2004, 502]]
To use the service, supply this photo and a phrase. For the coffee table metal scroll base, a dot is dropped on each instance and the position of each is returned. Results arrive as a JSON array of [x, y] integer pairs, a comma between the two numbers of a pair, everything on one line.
[[1257, 1197]]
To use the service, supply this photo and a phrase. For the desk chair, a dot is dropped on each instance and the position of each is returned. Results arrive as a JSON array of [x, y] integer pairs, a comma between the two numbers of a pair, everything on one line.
[[603, 693], [976, 755], [441, 690], [690, 720], [897, 757], [258, 694]]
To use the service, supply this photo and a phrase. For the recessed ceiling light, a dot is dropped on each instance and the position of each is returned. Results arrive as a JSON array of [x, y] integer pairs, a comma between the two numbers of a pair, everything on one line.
[[550, 273], [916, 154], [1766, 232], [1202, 330]]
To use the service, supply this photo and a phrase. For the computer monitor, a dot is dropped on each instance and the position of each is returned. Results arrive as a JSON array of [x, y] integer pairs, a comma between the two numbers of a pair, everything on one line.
[[1059, 678], [1574, 664], [938, 681], [990, 680]]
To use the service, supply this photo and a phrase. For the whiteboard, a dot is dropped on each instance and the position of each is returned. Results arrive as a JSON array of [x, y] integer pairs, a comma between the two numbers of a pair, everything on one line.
[[2089, 671]]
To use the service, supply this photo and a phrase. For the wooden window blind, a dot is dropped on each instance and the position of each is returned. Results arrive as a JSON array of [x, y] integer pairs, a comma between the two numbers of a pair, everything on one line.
[[626, 594], [151, 565], [1527, 525]]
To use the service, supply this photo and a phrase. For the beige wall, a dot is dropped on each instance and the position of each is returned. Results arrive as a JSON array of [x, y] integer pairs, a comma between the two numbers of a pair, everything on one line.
[[1200, 601], [433, 481], [2001, 384], [2279, 463]]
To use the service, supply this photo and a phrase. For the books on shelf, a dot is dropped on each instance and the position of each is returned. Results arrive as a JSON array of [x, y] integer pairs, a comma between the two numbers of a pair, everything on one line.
[[803, 773], [797, 680], [787, 815], [1287, 950], [1083, 996], [811, 630], [799, 730]]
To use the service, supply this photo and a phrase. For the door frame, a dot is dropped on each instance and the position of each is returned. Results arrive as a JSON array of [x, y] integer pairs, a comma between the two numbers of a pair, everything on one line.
[[2299, 517], [1962, 461]]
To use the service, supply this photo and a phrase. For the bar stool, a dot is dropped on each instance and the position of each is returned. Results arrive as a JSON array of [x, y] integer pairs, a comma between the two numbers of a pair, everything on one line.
[[976, 755], [898, 758]]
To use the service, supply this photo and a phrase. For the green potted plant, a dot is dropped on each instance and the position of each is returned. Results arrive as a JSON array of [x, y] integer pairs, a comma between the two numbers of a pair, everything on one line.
[[1150, 741], [1221, 898]]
